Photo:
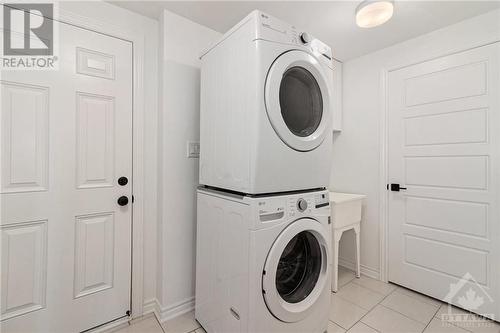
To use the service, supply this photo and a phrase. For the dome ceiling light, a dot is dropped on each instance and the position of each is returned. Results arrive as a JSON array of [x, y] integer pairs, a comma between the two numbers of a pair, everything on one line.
[[372, 13]]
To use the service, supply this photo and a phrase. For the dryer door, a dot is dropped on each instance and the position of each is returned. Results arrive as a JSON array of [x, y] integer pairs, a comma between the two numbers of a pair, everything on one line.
[[296, 270], [297, 100]]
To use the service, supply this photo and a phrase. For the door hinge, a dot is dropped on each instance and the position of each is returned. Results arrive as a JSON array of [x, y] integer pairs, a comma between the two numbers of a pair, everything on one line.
[[133, 199], [128, 313]]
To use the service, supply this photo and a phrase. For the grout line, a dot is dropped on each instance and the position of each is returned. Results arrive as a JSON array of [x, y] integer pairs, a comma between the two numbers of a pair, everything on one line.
[[370, 310], [360, 319], [450, 322], [433, 316], [425, 298], [158, 322], [419, 322], [331, 321]]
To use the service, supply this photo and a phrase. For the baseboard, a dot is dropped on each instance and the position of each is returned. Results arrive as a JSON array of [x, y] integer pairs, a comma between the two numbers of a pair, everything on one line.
[[166, 313], [151, 306], [368, 271]]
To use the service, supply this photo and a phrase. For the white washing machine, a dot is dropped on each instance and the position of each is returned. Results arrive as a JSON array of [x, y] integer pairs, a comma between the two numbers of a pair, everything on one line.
[[262, 262], [266, 109]]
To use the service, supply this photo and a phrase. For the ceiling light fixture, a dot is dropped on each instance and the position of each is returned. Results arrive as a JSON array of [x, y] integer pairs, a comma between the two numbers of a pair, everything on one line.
[[372, 13]]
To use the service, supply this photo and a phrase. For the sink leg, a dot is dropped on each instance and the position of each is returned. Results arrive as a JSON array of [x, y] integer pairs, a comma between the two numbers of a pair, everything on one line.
[[335, 274], [358, 255]]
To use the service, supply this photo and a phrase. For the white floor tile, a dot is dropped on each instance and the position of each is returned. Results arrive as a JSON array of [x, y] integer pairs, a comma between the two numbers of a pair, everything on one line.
[[466, 320], [360, 296], [182, 324], [410, 307], [345, 276], [143, 325], [334, 328], [344, 313], [386, 320], [361, 328], [375, 285], [420, 296], [444, 309], [437, 326]]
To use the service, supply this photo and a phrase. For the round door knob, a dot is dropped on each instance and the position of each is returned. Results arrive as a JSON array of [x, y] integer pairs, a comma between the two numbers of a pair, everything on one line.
[[301, 205], [122, 201], [122, 181]]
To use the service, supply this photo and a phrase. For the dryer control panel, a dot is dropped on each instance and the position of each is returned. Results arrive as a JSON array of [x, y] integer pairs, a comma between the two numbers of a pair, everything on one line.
[[275, 30]]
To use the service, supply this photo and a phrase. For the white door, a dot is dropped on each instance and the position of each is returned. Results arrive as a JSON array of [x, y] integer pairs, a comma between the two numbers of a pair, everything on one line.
[[444, 147], [297, 97], [66, 139]]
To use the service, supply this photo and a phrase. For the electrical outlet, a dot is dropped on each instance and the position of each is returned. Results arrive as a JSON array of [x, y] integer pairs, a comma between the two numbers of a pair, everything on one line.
[[193, 149]]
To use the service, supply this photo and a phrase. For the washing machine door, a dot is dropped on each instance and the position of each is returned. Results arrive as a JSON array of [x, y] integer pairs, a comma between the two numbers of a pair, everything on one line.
[[297, 99], [296, 270]]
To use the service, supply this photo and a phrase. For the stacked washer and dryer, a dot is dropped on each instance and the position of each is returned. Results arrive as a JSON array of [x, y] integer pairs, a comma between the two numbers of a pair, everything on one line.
[[263, 223]]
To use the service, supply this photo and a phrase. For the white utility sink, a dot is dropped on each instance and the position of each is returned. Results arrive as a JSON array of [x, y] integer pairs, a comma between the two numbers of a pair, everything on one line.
[[345, 215], [346, 208]]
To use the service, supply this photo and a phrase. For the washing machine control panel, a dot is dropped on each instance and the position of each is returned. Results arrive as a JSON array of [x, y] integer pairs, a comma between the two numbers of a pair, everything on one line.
[[321, 200], [298, 205], [270, 210], [293, 206]]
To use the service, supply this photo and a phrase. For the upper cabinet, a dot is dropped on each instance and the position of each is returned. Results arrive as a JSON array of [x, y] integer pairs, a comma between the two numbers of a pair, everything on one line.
[[337, 95]]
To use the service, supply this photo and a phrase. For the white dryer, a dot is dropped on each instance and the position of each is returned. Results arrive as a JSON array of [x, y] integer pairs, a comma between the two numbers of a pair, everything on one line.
[[266, 109], [262, 262]]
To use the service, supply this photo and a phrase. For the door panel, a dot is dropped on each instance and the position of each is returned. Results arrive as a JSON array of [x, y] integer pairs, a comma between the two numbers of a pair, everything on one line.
[[444, 146], [25, 134], [24, 258], [66, 139]]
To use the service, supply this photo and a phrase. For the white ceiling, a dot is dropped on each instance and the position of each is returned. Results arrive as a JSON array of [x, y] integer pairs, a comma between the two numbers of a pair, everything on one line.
[[331, 21]]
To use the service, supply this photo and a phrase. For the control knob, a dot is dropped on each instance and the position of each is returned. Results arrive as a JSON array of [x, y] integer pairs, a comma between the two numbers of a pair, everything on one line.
[[301, 205], [305, 37]]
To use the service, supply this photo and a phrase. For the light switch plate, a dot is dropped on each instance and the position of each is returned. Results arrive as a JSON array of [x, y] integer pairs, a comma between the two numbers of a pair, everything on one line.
[[193, 149]]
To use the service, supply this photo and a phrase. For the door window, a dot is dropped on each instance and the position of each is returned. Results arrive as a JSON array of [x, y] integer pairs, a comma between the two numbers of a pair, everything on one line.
[[300, 101], [299, 268]]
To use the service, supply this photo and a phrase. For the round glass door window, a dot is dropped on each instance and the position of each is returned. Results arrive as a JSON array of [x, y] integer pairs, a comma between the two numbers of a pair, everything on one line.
[[297, 99], [299, 268], [300, 101]]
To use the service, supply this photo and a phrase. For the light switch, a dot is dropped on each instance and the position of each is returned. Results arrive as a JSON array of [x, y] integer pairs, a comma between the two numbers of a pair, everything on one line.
[[193, 149]]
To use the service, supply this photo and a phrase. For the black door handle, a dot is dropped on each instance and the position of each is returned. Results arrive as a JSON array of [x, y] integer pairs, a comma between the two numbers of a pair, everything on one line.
[[122, 201], [396, 187]]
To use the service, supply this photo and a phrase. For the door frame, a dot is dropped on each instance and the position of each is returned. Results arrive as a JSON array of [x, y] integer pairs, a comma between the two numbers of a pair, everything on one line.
[[138, 110], [384, 142]]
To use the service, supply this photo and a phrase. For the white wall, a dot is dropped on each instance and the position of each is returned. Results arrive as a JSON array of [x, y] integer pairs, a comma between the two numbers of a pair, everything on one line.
[[356, 151], [129, 21], [182, 43]]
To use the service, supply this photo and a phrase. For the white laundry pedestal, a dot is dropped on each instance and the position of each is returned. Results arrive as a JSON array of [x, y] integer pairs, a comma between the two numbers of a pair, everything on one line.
[[345, 215]]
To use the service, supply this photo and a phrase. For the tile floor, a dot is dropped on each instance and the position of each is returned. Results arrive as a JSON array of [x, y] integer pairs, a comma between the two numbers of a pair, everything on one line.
[[361, 305]]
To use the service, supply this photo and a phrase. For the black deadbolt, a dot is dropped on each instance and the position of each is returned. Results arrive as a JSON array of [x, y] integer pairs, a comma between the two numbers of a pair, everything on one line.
[[122, 201], [122, 181]]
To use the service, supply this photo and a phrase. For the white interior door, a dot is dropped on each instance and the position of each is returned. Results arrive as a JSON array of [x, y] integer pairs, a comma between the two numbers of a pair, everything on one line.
[[444, 147], [66, 139]]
